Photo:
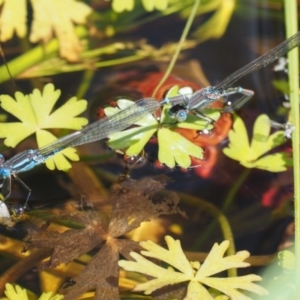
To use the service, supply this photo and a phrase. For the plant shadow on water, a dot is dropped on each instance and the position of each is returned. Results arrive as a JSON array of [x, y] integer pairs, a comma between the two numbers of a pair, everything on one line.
[[258, 215]]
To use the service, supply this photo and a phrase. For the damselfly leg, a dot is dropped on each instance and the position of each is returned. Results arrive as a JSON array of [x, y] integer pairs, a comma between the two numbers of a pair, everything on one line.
[[288, 128], [237, 103]]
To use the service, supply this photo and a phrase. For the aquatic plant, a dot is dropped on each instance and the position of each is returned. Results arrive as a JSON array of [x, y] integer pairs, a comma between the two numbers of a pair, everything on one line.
[[81, 248]]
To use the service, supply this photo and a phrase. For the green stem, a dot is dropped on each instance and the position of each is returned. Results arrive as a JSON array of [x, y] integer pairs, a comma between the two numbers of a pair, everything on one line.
[[34, 56], [293, 66], [25, 46], [230, 196], [219, 217], [58, 67], [85, 83], [118, 61], [179, 46]]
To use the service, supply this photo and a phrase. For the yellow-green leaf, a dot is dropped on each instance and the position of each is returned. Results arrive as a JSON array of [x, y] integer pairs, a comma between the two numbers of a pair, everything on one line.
[[121, 5], [35, 114], [60, 21], [15, 292], [133, 139], [287, 260], [59, 160], [175, 149], [13, 19], [181, 270], [255, 154], [150, 5]]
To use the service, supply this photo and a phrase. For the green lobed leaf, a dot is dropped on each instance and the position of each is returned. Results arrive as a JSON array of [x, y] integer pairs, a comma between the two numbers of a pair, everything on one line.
[[255, 154]]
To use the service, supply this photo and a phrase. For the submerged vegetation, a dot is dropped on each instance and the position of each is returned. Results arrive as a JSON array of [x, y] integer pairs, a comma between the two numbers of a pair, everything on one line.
[[116, 237]]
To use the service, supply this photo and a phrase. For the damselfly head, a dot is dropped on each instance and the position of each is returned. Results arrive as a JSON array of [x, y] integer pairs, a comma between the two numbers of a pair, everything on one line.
[[178, 112]]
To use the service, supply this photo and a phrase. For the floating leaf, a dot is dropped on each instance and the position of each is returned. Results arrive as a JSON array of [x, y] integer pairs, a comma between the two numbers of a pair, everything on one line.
[[13, 19], [59, 17], [35, 114], [131, 205], [134, 139], [197, 276], [50, 18], [175, 149], [149, 5], [221, 13], [254, 154], [17, 293], [121, 5]]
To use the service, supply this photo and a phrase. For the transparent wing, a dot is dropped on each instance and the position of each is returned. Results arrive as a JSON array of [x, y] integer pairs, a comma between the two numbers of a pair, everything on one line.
[[104, 127], [261, 61]]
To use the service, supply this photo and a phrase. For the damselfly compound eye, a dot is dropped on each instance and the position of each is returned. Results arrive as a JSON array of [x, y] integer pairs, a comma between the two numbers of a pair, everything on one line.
[[181, 115], [4, 173], [178, 112]]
